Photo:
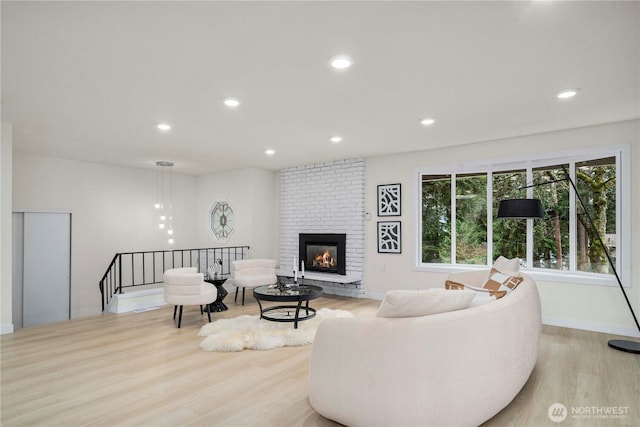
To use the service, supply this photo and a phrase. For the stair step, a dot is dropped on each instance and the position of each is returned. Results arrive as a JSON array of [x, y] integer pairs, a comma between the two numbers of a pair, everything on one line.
[[142, 300]]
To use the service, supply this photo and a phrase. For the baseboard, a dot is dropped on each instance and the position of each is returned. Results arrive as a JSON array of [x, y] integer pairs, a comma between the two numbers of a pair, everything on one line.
[[370, 295], [590, 326], [6, 329]]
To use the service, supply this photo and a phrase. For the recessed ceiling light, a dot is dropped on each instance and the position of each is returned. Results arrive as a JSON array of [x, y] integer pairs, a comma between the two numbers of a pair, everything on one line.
[[340, 62], [567, 93], [164, 126], [427, 121], [231, 102], [335, 139], [269, 152]]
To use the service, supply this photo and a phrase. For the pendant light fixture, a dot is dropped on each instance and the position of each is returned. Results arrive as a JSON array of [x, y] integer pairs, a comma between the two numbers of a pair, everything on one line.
[[164, 194]]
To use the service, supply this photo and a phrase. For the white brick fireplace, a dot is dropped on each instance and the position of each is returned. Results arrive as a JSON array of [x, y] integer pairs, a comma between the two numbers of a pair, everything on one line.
[[325, 198]]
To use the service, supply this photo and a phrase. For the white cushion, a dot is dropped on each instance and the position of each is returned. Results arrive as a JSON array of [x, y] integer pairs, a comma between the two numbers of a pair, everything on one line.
[[206, 295], [176, 289], [510, 267], [182, 279], [250, 273], [402, 303], [254, 281]]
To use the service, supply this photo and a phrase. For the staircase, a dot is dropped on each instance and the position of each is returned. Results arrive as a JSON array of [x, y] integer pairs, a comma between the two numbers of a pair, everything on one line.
[[133, 280], [138, 300]]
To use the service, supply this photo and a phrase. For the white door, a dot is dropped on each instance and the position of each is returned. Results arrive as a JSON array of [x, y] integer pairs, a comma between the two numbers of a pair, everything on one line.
[[18, 263], [46, 268]]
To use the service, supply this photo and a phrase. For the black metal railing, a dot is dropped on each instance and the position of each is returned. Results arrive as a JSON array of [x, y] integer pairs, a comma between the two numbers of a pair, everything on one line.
[[131, 269]]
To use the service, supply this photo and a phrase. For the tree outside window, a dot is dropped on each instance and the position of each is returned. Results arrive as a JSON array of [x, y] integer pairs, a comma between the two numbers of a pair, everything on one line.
[[471, 219], [596, 182], [436, 219], [562, 241], [509, 235], [551, 233]]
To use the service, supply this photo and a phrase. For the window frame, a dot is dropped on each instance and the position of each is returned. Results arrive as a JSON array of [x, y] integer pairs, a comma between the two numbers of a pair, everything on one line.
[[571, 157]]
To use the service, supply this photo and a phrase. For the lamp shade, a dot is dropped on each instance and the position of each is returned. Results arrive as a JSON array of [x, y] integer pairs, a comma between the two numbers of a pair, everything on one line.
[[520, 209]]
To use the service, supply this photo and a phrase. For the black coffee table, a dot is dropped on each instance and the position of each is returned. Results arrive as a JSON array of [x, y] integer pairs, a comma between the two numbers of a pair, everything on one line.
[[287, 293]]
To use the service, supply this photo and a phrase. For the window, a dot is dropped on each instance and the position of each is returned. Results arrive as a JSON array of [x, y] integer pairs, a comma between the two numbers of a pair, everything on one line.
[[471, 218], [459, 225], [509, 235], [436, 219], [596, 182], [551, 234]]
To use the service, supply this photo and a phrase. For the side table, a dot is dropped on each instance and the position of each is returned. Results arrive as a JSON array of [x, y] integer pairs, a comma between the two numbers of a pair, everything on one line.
[[218, 305]]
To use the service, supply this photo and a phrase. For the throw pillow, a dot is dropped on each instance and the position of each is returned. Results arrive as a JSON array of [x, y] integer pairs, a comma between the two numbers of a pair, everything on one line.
[[498, 284], [511, 266], [423, 303], [480, 295], [451, 285], [501, 283]]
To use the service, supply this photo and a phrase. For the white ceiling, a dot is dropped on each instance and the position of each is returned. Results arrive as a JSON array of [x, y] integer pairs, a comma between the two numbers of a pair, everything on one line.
[[89, 80]]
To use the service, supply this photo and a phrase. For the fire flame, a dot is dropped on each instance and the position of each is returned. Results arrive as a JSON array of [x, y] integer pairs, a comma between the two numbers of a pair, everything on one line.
[[324, 260]]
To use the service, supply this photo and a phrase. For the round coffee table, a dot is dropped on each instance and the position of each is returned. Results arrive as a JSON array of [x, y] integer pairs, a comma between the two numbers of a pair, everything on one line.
[[287, 293]]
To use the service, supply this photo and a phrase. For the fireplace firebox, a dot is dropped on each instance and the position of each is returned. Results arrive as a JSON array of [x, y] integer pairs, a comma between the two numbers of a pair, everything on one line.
[[323, 252]]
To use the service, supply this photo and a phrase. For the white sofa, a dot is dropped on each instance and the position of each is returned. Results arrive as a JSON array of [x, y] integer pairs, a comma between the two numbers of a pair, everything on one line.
[[458, 368]]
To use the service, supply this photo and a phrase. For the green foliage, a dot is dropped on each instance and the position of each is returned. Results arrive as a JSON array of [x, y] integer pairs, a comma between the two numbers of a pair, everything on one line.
[[551, 233], [471, 219], [509, 235], [596, 185], [436, 224]]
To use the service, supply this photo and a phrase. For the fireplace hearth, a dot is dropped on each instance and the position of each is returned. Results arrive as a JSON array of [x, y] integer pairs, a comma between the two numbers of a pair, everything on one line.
[[323, 252]]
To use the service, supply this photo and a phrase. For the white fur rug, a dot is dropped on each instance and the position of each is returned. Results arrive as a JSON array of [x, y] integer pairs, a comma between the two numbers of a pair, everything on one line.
[[250, 332]]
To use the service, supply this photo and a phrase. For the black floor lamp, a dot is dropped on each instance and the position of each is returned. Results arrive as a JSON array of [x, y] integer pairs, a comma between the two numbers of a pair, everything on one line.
[[532, 209]]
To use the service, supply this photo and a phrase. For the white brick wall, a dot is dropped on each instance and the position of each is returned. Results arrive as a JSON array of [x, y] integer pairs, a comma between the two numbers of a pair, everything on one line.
[[324, 198]]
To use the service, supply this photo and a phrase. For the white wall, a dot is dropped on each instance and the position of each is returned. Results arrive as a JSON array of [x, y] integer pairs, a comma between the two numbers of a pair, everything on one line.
[[112, 211], [324, 198], [581, 306], [253, 196], [6, 154]]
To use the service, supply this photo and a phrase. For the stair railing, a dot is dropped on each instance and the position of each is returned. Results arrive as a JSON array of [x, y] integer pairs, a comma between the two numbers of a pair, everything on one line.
[[132, 269]]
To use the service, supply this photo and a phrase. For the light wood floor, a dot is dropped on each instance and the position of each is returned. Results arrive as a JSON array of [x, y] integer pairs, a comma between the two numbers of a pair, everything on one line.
[[138, 369]]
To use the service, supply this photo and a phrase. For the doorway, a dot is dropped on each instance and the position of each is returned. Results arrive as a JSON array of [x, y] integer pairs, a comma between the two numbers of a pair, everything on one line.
[[41, 268]]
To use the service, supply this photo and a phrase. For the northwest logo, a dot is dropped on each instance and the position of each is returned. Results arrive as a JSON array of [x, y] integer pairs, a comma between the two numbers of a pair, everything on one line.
[[557, 412]]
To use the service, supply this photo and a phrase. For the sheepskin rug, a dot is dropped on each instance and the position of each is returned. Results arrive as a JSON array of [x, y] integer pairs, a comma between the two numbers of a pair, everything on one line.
[[251, 332]]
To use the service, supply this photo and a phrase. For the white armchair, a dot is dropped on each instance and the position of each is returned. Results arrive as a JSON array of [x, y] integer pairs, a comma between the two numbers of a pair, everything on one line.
[[185, 286], [251, 273]]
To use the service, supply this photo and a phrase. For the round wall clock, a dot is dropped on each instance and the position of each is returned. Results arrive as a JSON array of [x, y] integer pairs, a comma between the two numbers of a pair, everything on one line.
[[222, 220]]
